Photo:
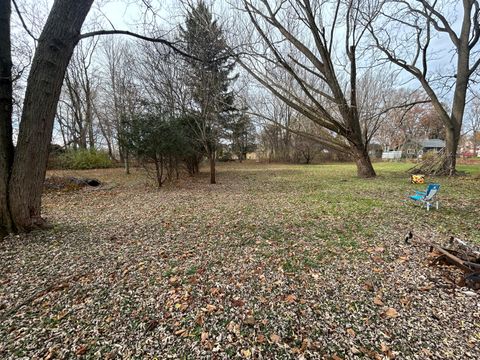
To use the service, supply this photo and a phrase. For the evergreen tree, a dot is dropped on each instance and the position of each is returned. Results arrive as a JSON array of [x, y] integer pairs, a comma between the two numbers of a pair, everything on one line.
[[242, 136], [209, 75], [156, 137]]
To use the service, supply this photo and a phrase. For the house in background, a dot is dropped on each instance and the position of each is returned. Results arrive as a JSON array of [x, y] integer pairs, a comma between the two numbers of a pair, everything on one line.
[[412, 149], [431, 145]]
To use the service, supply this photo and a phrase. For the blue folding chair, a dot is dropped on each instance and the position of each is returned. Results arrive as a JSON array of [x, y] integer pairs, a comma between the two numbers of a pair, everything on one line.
[[427, 197]]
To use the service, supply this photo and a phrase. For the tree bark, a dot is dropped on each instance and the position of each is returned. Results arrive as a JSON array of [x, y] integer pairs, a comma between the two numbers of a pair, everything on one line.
[[364, 163], [212, 168], [6, 144], [451, 146], [159, 170], [55, 47], [127, 162]]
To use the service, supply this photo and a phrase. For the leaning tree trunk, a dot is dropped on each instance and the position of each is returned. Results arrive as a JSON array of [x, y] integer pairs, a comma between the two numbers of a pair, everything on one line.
[[6, 144], [363, 162], [55, 47]]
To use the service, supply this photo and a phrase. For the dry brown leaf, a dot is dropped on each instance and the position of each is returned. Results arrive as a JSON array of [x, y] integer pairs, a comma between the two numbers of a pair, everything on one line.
[[180, 332], [386, 350], [290, 298], [238, 302], [51, 353], [214, 291], [173, 280], [249, 320], [200, 319], [275, 338], [426, 352], [351, 332], [426, 287], [391, 313], [368, 285], [371, 353], [263, 299], [305, 345], [81, 350], [355, 350], [378, 301], [406, 301], [234, 328], [246, 353], [211, 308]]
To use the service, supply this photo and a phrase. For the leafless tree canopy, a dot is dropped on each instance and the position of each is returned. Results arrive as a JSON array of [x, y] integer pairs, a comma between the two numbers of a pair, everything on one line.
[[410, 33]]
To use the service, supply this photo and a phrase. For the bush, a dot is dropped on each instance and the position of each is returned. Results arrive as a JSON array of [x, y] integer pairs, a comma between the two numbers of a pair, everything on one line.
[[225, 156], [85, 159]]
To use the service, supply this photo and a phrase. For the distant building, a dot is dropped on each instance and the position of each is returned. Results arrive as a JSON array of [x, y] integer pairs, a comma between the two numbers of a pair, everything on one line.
[[469, 149], [391, 155], [414, 149], [430, 145]]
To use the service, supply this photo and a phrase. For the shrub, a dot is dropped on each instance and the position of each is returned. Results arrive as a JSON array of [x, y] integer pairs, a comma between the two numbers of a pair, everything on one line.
[[85, 159]]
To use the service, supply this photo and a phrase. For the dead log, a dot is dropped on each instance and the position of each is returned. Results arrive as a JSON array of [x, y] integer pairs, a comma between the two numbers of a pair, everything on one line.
[[465, 257], [465, 250], [466, 266], [69, 183]]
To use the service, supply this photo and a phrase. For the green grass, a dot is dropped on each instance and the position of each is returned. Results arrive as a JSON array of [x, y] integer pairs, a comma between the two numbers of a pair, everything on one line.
[[362, 206]]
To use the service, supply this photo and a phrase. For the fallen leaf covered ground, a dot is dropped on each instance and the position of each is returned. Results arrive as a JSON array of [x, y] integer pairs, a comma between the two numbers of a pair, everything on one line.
[[274, 262]]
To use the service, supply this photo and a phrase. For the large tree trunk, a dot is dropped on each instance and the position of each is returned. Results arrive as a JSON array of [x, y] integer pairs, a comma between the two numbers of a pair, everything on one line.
[[364, 164], [451, 146], [55, 47], [212, 168], [127, 162], [6, 144]]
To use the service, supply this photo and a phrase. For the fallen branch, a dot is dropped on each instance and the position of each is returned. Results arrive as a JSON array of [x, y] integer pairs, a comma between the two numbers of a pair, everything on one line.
[[466, 266], [469, 252], [461, 258]]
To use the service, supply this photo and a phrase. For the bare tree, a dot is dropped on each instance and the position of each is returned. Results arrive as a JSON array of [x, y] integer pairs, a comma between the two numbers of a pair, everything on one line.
[[6, 104], [23, 170], [473, 123], [406, 32], [81, 88], [120, 95], [326, 92], [411, 124]]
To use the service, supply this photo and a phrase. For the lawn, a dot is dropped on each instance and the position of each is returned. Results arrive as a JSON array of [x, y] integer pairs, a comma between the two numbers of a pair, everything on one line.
[[275, 261]]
